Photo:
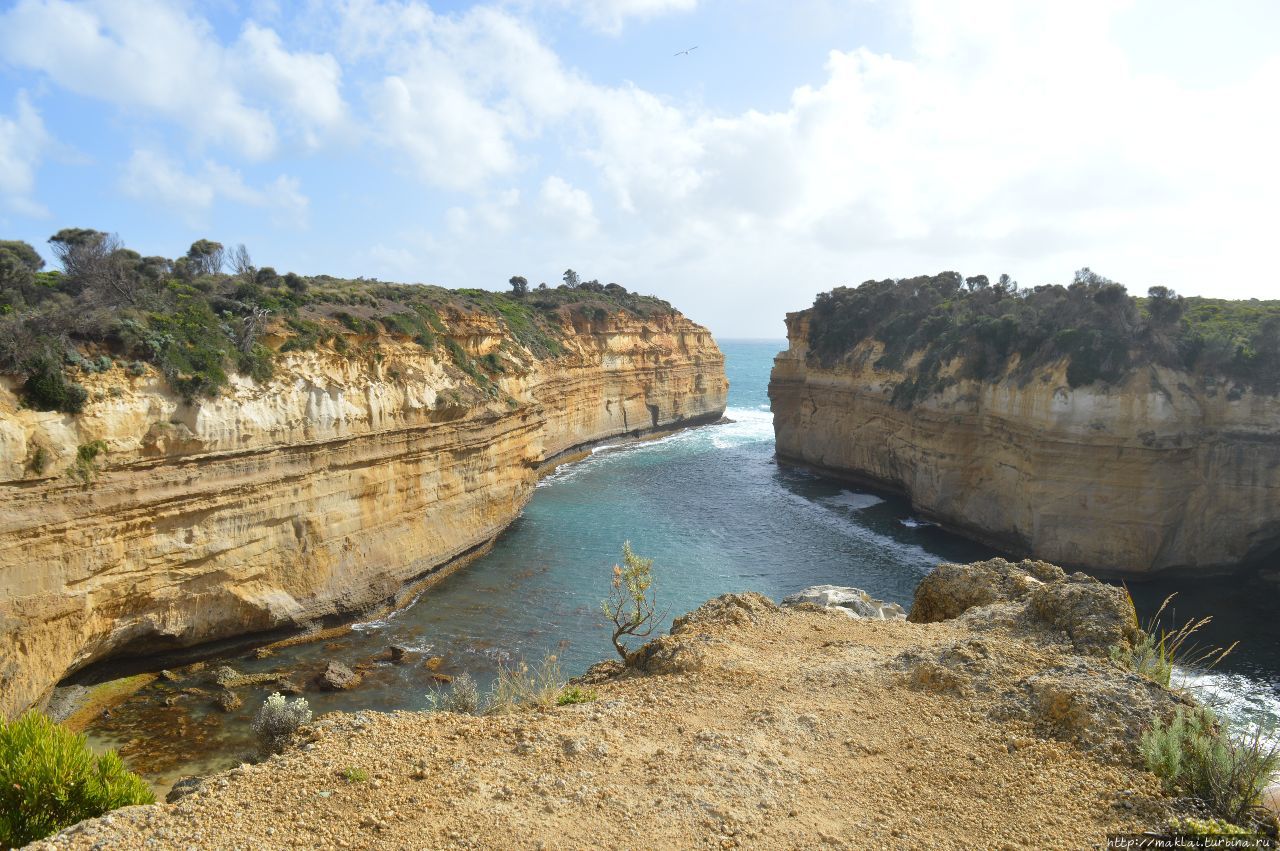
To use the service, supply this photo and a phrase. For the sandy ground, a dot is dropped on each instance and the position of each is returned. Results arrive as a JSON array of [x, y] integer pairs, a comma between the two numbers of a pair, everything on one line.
[[773, 729]]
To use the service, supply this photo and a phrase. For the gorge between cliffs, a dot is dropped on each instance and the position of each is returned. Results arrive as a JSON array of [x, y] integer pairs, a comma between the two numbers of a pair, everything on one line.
[[717, 513]]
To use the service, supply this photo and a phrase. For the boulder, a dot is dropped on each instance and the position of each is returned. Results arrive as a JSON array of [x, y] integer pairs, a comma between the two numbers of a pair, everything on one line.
[[726, 610], [952, 589], [227, 700], [337, 677], [1094, 615], [398, 652], [853, 602], [184, 787]]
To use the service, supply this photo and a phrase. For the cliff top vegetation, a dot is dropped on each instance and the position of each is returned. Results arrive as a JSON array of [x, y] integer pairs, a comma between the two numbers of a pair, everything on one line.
[[1093, 323], [196, 322]]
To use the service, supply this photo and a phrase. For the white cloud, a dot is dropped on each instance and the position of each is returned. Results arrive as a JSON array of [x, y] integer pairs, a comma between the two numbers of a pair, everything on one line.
[[305, 85], [23, 139], [152, 57], [1015, 138], [567, 209], [610, 16], [154, 178]]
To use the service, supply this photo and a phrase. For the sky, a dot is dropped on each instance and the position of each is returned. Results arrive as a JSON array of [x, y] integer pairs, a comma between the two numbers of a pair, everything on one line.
[[803, 144]]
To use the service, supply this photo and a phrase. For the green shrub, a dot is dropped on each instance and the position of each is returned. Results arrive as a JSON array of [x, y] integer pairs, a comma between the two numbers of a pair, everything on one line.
[[47, 388], [355, 775], [1195, 753], [1159, 650], [49, 780], [1092, 325], [574, 694], [85, 468]]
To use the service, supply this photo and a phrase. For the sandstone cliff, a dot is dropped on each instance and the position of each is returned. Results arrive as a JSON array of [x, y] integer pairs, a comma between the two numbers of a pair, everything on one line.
[[321, 491], [1159, 471]]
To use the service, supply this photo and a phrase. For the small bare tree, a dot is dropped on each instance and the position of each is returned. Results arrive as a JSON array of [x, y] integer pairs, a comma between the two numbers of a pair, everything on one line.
[[241, 263], [631, 605]]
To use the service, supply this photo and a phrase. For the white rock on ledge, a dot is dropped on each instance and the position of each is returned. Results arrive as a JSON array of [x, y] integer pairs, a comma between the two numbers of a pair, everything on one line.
[[854, 602]]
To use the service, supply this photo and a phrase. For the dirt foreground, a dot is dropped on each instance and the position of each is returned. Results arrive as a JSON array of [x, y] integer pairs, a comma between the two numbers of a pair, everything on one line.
[[751, 726]]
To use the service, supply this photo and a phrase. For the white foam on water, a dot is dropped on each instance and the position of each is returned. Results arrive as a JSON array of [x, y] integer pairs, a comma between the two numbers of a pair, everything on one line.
[[907, 554], [748, 426], [913, 523], [1247, 703], [853, 500]]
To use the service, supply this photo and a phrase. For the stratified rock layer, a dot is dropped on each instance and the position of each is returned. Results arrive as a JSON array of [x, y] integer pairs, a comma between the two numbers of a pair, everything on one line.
[[322, 491], [1164, 471]]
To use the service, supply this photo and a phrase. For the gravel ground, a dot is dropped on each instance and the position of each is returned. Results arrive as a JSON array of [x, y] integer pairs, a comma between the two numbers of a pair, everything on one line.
[[767, 728]]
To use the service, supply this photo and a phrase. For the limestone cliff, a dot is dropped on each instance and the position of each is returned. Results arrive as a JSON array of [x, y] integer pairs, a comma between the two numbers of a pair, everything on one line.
[[321, 491], [1160, 471]]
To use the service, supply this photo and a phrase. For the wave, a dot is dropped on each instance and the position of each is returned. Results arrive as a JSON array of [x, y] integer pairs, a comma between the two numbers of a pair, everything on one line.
[[914, 523], [911, 555], [853, 500], [746, 426], [1247, 702]]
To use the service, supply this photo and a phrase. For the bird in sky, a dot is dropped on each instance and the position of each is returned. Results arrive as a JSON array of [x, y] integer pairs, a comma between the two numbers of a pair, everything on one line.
[[687, 52]]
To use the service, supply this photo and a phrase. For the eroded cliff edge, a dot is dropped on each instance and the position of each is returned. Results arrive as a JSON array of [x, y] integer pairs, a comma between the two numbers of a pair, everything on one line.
[[990, 719], [319, 491], [1157, 471]]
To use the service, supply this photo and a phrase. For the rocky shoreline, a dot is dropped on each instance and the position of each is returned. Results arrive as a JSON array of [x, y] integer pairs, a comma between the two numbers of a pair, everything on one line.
[[828, 722]]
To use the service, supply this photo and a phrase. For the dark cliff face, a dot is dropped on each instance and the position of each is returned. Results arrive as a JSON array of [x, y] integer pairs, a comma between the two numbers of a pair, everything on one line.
[[320, 491], [1159, 471]]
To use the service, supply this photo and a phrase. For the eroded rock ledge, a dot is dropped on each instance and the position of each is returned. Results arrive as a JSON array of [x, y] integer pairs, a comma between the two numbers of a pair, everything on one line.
[[1159, 472], [750, 725], [320, 492]]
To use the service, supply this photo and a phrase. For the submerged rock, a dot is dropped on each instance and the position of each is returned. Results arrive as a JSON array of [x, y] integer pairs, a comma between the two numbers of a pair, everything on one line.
[[853, 602], [338, 677], [228, 701]]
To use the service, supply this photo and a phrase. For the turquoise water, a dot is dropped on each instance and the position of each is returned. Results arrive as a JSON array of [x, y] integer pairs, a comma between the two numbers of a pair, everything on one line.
[[716, 513]]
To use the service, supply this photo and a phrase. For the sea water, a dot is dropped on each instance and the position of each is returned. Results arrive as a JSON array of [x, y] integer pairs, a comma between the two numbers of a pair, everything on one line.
[[717, 513]]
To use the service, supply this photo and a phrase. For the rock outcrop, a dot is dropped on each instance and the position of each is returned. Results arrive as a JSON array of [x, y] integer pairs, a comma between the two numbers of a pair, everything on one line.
[[851, 602], [751, 725], [320, 492], [1162, 471]]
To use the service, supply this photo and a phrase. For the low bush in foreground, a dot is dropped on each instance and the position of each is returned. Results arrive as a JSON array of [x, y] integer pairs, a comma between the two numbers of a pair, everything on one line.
[[278, 719], [574, 694], [1197, 754], [516, 688], [49, 779], [462, 697], [1155, 655]]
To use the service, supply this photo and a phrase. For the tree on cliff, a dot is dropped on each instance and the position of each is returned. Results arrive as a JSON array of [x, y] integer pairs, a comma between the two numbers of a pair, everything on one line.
[[631, 605], [205, 257], [571, 279], [519, 285]]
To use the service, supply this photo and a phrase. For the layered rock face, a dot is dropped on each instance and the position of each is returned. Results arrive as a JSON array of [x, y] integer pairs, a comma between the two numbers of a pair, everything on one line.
[[320, 492], [1163, 471]]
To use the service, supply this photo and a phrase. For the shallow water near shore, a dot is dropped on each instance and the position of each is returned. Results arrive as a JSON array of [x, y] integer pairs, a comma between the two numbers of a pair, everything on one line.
[[717, 514]]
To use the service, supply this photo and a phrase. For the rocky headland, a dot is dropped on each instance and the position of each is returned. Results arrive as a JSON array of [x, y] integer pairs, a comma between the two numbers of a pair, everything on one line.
[[991, 717], [1076, 426], [369, 458]]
